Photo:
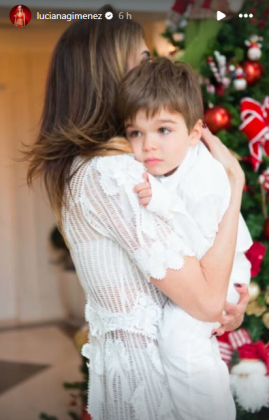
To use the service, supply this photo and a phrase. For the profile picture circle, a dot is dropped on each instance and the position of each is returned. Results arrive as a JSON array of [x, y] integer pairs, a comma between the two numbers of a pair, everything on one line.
[[20, 15]]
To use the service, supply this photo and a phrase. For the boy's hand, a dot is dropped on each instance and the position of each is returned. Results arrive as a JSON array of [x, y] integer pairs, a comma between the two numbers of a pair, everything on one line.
[[144, 191]]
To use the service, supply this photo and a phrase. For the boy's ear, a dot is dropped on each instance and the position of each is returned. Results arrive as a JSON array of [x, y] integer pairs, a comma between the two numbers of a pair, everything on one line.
[[196, 133]]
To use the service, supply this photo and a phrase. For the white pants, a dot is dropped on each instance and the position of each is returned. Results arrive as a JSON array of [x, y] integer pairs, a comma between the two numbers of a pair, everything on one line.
[[198, 379]]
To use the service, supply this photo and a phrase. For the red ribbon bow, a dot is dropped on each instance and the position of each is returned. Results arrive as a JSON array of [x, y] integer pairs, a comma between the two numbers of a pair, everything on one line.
[[255, 125]]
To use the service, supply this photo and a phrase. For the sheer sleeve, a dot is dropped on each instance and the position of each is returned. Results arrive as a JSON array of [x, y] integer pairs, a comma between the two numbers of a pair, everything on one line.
[[108, 199]]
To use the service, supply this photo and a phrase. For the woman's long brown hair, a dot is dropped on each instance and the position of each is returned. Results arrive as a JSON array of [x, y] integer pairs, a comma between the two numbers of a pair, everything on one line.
[[79, 117]]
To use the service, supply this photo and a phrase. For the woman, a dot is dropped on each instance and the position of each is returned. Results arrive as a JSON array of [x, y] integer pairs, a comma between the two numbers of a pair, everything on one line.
[[19, 18], [115, 244]]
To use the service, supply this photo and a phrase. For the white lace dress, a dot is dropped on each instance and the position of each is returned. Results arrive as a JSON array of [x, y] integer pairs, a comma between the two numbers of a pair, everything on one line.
[[116, 246]]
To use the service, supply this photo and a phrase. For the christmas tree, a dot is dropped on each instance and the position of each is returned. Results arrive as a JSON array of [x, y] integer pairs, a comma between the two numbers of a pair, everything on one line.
[[232, 59]]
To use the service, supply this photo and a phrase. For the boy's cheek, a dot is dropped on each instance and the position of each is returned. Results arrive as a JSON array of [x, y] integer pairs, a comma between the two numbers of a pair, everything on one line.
[[136, 152], [131, 144]]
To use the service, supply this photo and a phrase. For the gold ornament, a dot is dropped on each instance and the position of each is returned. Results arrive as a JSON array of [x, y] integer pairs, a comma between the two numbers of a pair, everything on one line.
[[254, 308], [81, 337], [265, 319], [254, 291], [259, 310], [250, 308], [266, 296]]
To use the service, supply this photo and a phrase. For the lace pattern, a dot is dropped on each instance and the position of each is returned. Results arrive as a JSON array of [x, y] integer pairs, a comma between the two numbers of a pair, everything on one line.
[[110, 358], [113, 178], [156, 259], [116, 246], [113, 173], [144, 318]]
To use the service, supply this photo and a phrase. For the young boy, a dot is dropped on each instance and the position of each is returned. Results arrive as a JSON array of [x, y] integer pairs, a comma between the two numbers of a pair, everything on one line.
[[161, 106]]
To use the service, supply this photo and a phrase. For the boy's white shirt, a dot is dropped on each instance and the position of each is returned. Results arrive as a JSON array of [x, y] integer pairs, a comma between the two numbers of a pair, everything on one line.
[[199, 188]]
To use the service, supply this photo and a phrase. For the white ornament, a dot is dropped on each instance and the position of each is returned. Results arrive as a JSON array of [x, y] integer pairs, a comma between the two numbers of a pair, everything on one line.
[[238, 75], [178, 37], [250, 385], [254, 53], [254, 43], [240, 84]]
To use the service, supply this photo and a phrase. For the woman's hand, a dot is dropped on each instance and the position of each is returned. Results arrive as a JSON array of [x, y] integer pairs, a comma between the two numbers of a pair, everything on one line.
[[234, 313], [223, 155]]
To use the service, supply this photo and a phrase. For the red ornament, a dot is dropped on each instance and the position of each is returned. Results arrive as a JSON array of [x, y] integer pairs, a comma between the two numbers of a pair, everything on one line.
[[85, 415], [217, 118], [255, 255], [266, 228], [253, 70]]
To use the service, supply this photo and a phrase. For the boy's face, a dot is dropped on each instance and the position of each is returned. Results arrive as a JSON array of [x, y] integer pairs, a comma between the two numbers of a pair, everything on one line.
[[161, 142]]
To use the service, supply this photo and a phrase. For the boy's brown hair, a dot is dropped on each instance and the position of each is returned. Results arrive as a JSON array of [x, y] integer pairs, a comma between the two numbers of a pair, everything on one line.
[[161, 83]]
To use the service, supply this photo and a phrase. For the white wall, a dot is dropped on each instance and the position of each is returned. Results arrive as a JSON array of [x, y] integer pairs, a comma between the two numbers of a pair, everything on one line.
[[29, 284]]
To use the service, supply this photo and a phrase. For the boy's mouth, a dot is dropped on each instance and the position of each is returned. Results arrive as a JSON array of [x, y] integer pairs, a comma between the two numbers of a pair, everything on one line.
[[152, 161]]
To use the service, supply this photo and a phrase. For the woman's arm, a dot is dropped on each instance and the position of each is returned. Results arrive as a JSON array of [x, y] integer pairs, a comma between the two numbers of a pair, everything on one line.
[[152, 244], [201, 288], [234, 313], [24, 19]]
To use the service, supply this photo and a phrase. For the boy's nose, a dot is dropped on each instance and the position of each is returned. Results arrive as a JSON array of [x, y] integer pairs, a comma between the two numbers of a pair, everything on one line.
[[149, 143]]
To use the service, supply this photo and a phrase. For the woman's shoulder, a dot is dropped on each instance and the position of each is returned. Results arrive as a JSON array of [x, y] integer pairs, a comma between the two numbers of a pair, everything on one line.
[[111, 172], [123, 166]]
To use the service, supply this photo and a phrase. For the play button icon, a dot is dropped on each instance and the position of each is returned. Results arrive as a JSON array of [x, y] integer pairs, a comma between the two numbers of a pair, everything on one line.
[[220, 15]]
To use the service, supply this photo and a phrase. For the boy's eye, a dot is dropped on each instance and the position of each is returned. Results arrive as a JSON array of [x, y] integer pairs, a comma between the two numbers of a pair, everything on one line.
[[133, 133], [164, 130]]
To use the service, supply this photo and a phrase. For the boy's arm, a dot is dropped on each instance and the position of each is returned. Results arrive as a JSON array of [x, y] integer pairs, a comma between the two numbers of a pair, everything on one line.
[[167, 204], [208, 196], [153, 195], [208, 211], [199, 218]]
